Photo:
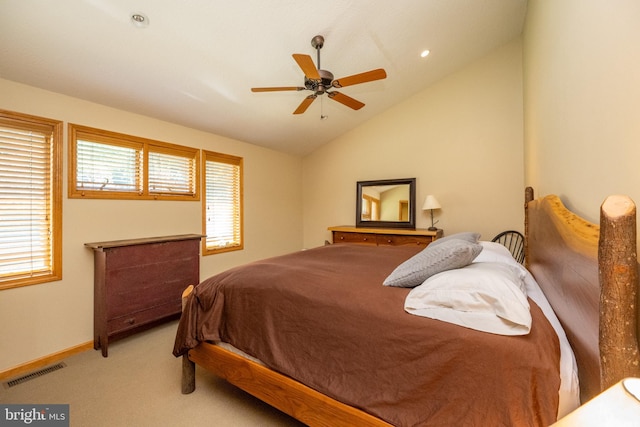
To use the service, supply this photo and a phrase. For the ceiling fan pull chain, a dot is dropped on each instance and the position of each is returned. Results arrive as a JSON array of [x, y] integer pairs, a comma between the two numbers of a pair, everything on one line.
[[322, 116]]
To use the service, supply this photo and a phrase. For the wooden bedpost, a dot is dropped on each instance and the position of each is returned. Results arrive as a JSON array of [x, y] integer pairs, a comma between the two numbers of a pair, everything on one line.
[[528, 197], [617, 253], [188, 367]]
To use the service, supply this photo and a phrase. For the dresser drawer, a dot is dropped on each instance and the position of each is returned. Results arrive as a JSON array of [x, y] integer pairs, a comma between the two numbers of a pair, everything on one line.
[[145, 294], [134, 320], [398, 240], [364, 238]]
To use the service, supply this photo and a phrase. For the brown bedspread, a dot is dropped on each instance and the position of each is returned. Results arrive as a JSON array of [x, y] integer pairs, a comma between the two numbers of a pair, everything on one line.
[[322, 316]]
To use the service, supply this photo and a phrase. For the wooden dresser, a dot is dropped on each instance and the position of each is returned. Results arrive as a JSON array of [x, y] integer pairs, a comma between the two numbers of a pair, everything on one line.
[[139, 283], [383, 236]]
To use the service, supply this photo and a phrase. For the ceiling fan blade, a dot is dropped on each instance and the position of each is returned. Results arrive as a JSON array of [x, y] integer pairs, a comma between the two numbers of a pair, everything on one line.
[[305, 104], [308, 67], [275, 89], [346, 100], [355, 79]]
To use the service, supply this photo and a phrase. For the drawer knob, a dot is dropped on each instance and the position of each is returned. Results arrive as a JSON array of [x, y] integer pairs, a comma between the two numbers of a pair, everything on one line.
[[131, 321]]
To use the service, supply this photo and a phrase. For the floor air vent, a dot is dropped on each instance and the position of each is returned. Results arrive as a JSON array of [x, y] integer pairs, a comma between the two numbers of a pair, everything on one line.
[[35, 374]]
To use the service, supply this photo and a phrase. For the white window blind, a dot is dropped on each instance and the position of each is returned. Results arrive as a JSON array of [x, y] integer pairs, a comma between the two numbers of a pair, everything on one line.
[[28, 197], [223, 202], [171, 173], [108, 167]]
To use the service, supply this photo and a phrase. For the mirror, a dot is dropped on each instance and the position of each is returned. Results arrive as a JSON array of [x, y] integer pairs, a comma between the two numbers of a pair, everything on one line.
[[388, 203]]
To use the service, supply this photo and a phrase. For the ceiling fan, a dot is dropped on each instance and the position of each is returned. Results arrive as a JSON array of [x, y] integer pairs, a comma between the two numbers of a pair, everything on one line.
[[321, 81]]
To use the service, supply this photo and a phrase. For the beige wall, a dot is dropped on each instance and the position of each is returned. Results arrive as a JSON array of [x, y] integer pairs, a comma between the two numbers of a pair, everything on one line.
[[582, 100], [39, 320], [461, 139]]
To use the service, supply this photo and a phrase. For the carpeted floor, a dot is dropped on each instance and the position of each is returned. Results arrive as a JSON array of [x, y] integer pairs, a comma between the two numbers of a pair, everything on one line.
[[139, 385]]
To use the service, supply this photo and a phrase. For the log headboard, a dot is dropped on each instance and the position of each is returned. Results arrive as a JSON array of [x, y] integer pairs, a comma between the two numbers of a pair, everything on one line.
[[589, 274]]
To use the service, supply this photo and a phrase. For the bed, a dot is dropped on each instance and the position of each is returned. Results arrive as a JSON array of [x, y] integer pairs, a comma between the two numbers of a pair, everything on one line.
[[457, 380]]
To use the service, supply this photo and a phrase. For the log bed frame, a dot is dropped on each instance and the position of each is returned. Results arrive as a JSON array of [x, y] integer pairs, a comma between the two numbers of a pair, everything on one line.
[[588, 273]]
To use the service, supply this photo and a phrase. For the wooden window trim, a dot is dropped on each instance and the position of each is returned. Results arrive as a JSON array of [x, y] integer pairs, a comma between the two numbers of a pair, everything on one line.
[[146, 146], [234, 160], [56, 129]]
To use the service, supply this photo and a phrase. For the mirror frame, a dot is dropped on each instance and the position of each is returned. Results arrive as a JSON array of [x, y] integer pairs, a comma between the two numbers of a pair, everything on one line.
[[411, 223]]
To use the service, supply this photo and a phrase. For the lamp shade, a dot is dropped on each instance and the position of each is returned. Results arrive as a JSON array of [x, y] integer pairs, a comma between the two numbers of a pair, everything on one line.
[[430, 203]]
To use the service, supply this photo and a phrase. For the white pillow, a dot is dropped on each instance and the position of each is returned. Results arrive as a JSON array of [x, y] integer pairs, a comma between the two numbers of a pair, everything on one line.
[[431, 260], [485, 296], [496, 252]]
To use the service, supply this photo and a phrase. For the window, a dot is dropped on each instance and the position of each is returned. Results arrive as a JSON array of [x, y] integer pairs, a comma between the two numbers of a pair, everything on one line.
[[110, 165], [222, 214], [370, 208], [30, 200]]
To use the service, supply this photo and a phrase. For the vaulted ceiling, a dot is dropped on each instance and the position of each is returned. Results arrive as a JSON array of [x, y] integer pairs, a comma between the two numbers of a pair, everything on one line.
[[195, 61]]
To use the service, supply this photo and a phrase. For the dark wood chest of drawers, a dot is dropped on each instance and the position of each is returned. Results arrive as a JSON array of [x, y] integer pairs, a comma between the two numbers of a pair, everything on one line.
[[139, 282]]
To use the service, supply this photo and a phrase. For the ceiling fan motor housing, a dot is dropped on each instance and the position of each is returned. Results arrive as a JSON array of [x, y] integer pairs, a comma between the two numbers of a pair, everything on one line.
[[326, 78]]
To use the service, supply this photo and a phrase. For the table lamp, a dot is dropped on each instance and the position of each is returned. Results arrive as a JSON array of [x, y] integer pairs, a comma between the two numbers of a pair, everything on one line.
[[430, 203]]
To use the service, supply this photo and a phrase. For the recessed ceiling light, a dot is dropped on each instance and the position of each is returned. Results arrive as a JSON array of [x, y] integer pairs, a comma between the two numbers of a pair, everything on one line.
[[140, 20], [424, 53]]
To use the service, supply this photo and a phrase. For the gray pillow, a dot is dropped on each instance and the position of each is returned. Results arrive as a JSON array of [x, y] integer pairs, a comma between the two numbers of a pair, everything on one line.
[[450, 254], [468, 236]]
